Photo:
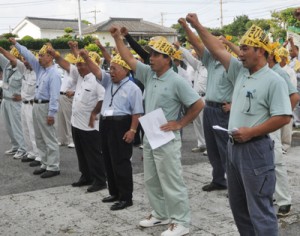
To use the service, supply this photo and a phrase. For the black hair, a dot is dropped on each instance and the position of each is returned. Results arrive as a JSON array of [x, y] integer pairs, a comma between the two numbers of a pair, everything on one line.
[[167, 56], [266, 54]]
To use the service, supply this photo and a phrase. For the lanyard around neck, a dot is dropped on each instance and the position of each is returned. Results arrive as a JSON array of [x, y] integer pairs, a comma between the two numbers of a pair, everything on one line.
[[113, 94]]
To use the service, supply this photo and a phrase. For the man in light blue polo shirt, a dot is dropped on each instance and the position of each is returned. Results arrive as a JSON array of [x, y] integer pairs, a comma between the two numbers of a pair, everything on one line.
[[218, 93], [260, 105], [164, 89]]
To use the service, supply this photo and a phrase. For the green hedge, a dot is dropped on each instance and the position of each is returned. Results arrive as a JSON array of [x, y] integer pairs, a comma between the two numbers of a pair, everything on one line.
[[36, 44]]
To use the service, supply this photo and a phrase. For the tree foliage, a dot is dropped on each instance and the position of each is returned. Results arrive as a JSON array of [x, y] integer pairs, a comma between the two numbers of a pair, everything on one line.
[[182, 37], [238, 26], [285, 18]]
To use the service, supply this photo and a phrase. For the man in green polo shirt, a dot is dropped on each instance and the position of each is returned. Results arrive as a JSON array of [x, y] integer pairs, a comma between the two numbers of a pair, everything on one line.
[[164, 89], [260, 105]]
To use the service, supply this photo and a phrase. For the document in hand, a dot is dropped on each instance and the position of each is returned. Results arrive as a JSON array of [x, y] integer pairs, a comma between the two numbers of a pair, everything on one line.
[[217, 127], [151, 123]]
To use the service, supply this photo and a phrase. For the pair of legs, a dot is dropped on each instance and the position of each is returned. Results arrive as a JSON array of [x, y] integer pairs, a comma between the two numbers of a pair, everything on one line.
[[90, 160], [251, 184], [216, 141], [165, 187]]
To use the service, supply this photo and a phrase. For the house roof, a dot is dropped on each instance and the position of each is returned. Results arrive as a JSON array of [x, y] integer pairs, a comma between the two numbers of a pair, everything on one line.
[[54, 24], [135, 26]]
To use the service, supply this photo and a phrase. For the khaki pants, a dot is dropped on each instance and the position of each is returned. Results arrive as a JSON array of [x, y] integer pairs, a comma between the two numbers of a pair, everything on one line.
[[45, 137]]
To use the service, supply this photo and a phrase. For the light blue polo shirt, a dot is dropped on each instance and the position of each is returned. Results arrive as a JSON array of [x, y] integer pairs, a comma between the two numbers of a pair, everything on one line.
[[168, 91], [218, 88], [256, 97], [291, 88], [123, 98]]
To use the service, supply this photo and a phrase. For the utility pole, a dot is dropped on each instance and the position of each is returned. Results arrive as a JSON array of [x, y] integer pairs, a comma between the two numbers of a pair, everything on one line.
[[95, 14], [79, 20], [221, 8], [162, 18]]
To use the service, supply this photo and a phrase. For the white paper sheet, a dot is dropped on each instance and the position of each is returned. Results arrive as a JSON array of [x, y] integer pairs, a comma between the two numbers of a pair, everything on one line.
[[151, 123], [217, 127]]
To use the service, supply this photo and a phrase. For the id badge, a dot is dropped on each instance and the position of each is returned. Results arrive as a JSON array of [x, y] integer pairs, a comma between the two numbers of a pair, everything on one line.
[[109, 112]]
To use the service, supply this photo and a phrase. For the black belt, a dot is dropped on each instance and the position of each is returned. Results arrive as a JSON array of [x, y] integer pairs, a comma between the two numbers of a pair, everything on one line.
[[63, 93], [26, 102], [231, 139], [214, 104], [116, 118], [40, 101]]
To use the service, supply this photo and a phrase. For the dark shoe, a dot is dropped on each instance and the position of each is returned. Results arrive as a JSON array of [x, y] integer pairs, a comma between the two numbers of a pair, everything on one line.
[[26, 159], [121, 205], [49, 174], [213, 186], [82, 182], [39, 171], [284, 210], [110, 199], [95, 188], [34, 163]]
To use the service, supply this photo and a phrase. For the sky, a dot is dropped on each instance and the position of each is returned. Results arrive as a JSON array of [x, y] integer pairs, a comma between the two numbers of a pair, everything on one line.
[[157, 11]]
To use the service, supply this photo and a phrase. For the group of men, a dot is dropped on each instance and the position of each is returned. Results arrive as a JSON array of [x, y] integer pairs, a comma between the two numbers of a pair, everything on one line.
[[250, 97]]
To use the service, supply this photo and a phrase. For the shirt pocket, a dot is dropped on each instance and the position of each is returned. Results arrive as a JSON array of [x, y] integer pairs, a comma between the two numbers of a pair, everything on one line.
[[86, 96], [249, 103], [15, 83]]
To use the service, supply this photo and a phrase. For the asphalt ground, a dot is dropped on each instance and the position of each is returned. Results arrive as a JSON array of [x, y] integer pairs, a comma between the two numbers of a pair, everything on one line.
[[33, 206]]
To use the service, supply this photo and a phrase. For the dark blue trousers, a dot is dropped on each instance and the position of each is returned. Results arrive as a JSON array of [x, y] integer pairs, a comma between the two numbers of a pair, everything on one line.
[[251, 184], [216, 141]]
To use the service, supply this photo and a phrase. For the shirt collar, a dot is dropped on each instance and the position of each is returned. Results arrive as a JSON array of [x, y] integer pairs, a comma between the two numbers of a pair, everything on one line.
[[164, 75], [257, 74]]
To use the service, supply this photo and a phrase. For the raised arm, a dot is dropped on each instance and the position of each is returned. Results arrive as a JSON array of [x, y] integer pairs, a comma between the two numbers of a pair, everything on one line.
[[59, 60], [187, 56], [105, 54], [11, 58], [74, 47], [231, 45], [95, 69], [123, 50], [214, 45], [135, 46], [292, 44], [29, 57], [192, 38]]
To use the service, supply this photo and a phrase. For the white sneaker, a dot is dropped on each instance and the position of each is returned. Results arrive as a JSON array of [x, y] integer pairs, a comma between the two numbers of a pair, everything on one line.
[[31, 156], [151, 221], [196, 149], [205, 153], [71, 145], [19, 155], [11, 151], [176, 230]]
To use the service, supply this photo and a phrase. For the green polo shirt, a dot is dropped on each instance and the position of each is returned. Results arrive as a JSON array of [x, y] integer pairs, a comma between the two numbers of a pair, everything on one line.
[[256, 97], [291, 88], [169, 91], [218, 88]]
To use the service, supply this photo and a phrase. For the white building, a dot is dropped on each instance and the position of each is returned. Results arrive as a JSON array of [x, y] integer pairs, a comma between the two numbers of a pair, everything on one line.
[[137, 28], [49, 28], [39, 28]]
